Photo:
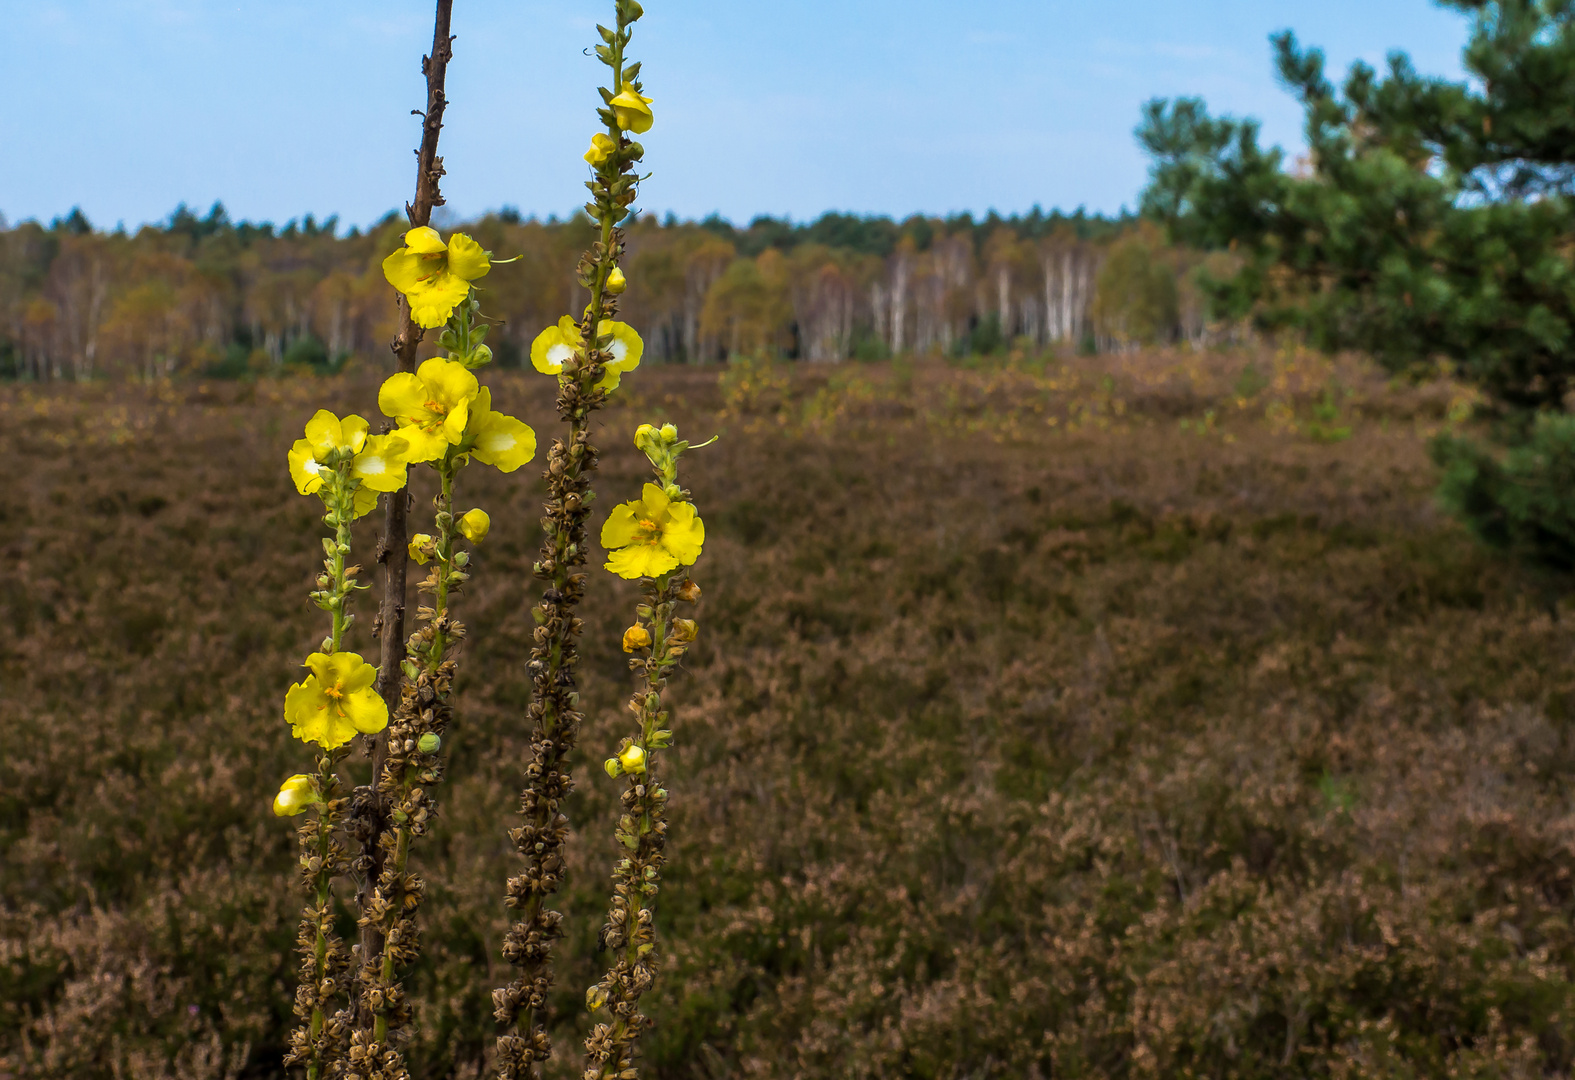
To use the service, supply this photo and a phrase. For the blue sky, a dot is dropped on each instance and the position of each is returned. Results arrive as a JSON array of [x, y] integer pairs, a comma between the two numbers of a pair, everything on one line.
[[792, 107]]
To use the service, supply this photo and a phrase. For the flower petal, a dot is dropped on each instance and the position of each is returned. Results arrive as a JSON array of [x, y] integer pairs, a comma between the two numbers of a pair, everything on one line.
[[405, 270], [549, 351], [641, 560], [364, 709], [622, 526], [424, 240], [353, 431], [466, 258], [324, 433], [365, 502], [423, 445], [448, 381], [432, 302], [455, 423], [381, 466], [303, 468], [504, 442], [402, 396], [683, 534], [655, 503]]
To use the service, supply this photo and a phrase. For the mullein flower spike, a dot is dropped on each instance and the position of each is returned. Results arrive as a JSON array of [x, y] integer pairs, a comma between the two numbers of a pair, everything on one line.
[[446, 417], [652, 538], [346, 467], [588, 359]]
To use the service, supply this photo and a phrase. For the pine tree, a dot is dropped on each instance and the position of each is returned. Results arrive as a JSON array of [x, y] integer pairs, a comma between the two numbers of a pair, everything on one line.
[[1433, 220]]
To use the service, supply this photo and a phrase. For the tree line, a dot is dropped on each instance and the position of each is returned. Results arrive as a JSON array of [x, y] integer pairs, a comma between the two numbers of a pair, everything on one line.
[[201, 294]]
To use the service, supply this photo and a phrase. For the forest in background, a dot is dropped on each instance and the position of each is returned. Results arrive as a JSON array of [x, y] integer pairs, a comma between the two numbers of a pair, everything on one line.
[[210, 297]]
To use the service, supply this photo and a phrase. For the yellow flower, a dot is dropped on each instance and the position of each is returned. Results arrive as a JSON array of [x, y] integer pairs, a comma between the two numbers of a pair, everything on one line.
[[555, 345], [295, 795], [379, 461], [325, 434], [652, 536], [421, 549], [632, 759], [336, 701], [432, 406], [435, 277], [498, 439], [636, 637], [602, 147], [633, 110], [475, 525]]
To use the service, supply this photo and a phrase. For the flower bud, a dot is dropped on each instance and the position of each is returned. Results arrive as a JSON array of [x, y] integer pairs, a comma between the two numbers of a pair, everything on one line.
[[689, 592], [684, 630], [421, 548], [669, 433], [636, 637], [613, 767], [475, 525], [295, 795], [429, 743], [632, 760], [602, 148], [595, 998], [616, 282]]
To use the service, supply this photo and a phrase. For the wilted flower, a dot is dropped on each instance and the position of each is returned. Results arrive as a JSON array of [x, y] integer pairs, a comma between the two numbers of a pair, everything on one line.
[[421, 548]]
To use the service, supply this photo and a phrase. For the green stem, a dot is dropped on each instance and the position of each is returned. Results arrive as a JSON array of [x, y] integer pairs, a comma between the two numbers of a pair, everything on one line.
[[445, 554], [344, 513]]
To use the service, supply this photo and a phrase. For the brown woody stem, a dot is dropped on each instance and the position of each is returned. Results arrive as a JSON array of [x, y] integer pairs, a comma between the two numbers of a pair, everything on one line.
[[371, 809]]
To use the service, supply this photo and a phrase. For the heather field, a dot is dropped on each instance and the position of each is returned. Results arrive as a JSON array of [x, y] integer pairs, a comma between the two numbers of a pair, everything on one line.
[[1120, 716]]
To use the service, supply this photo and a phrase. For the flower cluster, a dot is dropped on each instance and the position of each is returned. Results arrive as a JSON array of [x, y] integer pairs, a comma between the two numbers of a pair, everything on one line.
[[652, 539], [589, 358], [440, 416]]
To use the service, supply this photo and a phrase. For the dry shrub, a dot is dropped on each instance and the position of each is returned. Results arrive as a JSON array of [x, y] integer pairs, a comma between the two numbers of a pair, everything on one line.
[[1010, 748]]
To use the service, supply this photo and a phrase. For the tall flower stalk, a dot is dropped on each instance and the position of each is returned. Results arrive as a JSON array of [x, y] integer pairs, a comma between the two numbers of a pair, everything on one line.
[[370, 815], [655, 539], [588, 356], [346, 468], [445, 417]]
